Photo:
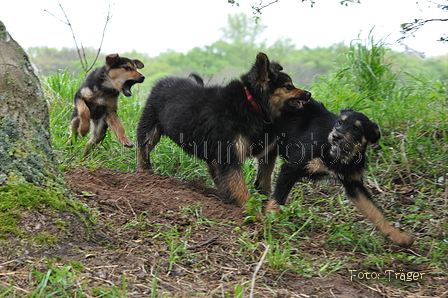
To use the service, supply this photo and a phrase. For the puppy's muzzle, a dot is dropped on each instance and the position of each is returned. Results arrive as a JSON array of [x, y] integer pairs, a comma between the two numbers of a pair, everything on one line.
[[126, 90], [299, 101]]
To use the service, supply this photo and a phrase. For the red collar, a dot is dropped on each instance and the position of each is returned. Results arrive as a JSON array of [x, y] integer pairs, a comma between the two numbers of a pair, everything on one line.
[[256, 106]]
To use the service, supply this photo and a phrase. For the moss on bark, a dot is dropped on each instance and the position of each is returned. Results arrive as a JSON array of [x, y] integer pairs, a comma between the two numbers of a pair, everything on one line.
[[30, 179]]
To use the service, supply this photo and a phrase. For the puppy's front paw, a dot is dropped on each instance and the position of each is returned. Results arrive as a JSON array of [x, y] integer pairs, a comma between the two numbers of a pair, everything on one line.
[[126, 142]]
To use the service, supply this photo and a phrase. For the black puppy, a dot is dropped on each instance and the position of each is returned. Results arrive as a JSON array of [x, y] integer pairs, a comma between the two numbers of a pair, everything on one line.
[[221, 125], [317, 143], [97, 100]]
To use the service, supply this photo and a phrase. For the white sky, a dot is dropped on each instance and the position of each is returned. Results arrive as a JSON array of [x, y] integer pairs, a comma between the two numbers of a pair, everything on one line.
[[154, 26]]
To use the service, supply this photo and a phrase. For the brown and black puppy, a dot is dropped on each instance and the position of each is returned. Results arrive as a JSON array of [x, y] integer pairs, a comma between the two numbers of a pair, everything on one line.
[[97, 100], [317, 143], [221, 125]]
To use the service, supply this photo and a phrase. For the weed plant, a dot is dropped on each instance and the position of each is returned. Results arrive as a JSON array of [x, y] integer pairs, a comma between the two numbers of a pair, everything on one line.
[[408, 171]]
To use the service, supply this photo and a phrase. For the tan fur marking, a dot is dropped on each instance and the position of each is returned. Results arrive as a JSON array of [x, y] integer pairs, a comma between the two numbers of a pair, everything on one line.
[[272, 206], [213, 170], [114, 79], [329, 138], [84, 117], [316, 165], [357, 148], [86, 94], [357, 176], [242, 147], [344, 117], [144, 162], [264, 176], [152, 139], [279, 97], [115, 124], [236, 187], [375, 216], [270, 147]]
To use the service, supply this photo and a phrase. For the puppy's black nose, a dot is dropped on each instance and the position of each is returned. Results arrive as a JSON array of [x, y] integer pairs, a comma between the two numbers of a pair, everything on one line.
[[308, 94], [335, 136]]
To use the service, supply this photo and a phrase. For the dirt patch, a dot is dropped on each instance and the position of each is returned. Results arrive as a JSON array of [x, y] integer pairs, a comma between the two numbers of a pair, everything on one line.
[[150, 193], [143, 219]]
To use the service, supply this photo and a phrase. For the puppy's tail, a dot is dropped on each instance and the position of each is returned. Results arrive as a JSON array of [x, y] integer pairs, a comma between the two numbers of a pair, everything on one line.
[[197, 78]]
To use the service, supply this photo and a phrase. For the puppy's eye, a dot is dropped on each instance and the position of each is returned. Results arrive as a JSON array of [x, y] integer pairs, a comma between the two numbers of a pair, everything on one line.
[[357, 128], [289, 87], [127, 68]]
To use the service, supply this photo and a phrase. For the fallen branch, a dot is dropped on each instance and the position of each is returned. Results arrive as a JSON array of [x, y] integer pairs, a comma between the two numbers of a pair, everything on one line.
[[207, 242]]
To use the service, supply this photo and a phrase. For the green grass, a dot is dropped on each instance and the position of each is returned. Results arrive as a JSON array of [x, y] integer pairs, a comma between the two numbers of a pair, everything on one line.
[[32, 198], [408, 171]]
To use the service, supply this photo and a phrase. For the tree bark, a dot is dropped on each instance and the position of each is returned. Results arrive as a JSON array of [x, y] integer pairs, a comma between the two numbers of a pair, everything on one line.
[[25, 148]]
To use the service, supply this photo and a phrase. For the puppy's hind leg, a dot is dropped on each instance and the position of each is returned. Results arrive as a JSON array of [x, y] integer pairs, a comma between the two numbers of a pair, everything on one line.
[[212, 168], [146, 142], [231, 184], [98, 134], [74, 125], [263, 181], [285, 182], [84, 117]]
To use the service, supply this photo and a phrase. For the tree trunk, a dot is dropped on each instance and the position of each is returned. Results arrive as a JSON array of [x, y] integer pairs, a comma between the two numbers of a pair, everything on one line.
[[25, 148]]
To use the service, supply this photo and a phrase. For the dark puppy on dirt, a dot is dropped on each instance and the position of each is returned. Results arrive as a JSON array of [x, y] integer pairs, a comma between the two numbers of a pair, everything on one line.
[[221, 125], [317, 143], [97, 100]]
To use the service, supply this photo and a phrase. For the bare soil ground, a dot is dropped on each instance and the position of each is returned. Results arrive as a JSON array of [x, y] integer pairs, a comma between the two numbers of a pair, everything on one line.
[[136, 211]]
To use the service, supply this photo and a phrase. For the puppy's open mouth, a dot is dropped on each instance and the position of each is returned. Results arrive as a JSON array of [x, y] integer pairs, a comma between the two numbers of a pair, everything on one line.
[[126, 90], [301, 100], [297, 103], [335, 150]]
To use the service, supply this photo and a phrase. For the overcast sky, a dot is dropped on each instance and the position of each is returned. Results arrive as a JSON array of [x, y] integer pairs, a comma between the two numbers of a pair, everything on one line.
[[154, 26]]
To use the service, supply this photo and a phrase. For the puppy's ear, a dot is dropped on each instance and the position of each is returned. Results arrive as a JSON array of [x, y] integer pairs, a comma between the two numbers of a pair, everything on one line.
[[138, 64], [112, 59], [372, 131], [346, 111], [275, 67], [260, 71]]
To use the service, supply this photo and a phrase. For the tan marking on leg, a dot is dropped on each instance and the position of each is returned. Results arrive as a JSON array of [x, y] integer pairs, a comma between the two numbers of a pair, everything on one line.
[[272, 206], [213, 170], [87, 148], [144, 162], [115, 124], [98, 134], [87, 94], [74, 125], [316, 165], [233, 186], [242, 147], [367, 208], [264, 175], [84, 117]]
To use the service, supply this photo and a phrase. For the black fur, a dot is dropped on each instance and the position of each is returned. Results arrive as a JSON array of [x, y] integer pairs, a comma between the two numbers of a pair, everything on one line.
[[218, 124]]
